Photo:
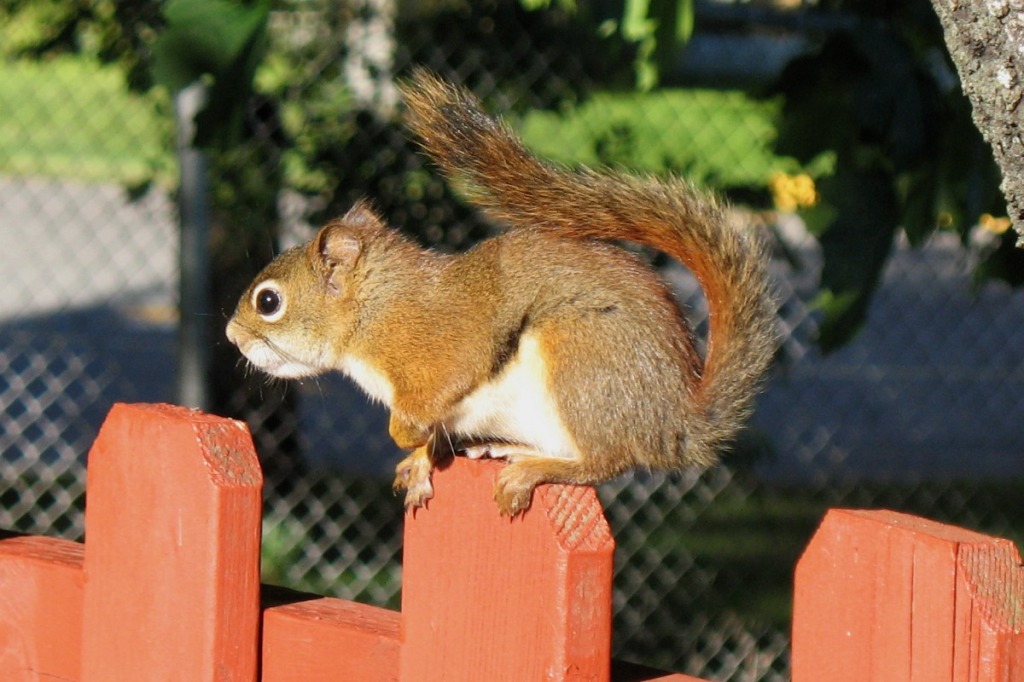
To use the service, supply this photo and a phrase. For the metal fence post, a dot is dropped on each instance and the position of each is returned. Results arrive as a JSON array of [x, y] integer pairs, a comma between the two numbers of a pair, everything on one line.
[[194, 266]]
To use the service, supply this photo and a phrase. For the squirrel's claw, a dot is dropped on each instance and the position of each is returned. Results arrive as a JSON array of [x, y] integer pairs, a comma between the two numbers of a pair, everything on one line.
[[512, 494], [416, 498], [413, 476]]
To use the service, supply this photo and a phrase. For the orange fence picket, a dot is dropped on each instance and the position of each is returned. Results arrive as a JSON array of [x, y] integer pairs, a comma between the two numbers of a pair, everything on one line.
[[173, 513], [167, 586], [887, 596], [41, 587]]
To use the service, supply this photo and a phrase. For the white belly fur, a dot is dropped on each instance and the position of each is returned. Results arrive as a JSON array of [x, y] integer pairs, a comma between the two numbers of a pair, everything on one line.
[[516, 407], [369, 379]]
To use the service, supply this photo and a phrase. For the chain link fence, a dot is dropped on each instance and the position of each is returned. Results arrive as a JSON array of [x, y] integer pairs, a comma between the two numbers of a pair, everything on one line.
[[920, 412]]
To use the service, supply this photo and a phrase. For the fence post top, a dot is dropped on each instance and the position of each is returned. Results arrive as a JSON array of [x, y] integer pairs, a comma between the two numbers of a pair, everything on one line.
[[885, 518], [225, 445], [570, 515], [167, 411]]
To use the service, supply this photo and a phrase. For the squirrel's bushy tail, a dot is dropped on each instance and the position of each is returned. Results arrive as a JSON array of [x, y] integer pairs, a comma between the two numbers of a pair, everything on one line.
[[511, 184]]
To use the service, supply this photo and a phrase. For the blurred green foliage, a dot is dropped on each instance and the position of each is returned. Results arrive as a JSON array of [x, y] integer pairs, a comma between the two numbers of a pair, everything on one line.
[[44, 130], [109, 31], [873, 113], [220, 43], [667, 130], [882, 97]]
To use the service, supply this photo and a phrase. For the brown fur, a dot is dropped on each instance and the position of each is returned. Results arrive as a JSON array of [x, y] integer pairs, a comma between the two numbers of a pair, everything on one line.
[[618, 360]]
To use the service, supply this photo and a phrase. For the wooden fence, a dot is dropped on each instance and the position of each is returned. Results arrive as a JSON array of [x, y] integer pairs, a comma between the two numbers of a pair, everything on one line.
[[166, 586]]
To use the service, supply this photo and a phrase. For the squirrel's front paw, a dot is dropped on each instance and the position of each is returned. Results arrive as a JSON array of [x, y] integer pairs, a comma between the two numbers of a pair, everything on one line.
[[512, 492], [413, 476]]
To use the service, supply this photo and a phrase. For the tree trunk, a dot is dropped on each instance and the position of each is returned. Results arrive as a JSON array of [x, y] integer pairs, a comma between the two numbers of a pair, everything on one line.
[[986, 40]]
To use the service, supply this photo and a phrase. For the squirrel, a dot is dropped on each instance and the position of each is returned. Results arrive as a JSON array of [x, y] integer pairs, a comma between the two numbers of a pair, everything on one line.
[[547, 345]]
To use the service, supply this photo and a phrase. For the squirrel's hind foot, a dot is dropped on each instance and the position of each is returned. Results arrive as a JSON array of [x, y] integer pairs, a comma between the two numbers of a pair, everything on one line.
[[512, 496], [513, 491], [518, 479]]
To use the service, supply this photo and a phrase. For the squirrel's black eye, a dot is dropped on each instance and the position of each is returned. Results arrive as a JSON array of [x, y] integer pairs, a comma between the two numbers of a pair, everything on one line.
[[269, 302]]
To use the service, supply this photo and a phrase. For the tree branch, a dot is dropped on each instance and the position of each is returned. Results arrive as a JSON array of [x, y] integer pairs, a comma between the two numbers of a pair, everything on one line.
[[986, 41]]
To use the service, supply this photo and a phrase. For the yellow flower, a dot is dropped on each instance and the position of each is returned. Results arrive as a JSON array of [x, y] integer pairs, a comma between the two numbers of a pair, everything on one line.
[[993, 224], [791, 192]]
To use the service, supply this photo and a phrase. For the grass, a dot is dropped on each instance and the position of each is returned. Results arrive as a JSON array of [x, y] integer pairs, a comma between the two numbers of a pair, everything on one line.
[[70, 118], [752, 544], [751, 541], [284, 548], [721, 138]]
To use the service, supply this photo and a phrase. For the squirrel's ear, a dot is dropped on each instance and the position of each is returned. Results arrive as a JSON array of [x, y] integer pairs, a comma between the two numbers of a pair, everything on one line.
[[334, 252], [339, 244]]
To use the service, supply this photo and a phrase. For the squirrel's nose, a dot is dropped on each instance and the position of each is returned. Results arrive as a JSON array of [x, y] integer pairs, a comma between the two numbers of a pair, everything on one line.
[[232, 331]]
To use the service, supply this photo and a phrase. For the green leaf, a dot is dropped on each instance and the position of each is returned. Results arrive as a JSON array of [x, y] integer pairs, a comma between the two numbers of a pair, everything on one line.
[[203, 37], [534, 5], [673, 20], [844, 317], [219, 40], [658, 27], [1005, 262], [819, 217], [686, 20], [920, 198], [636, 24], [855, 245], [820, 94]]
